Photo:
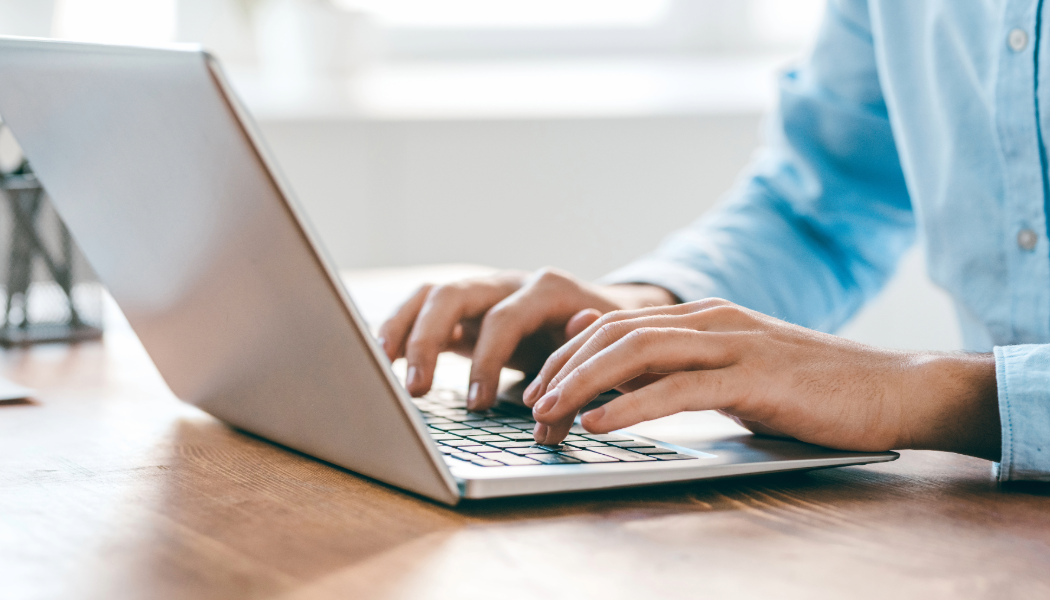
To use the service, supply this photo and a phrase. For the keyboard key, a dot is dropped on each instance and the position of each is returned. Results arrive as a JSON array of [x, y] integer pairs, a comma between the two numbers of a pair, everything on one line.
[[518, 437], [444, 437], [451, 426], [675, 456], [487, 438], [485, 462], [586, 443], [606, 437], [460, 442], [513, 421], [555, 459], [622, 454], [464, 431], [527, 450], [435, 420], [447, 449], [485, 423], [511, 444], [588, 456], [633, 444], [574, 438], [509, 459], [454, 460], [500, 430], [654, 450]]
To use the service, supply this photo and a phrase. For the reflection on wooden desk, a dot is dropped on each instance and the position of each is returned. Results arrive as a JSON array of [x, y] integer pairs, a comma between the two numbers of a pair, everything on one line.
[[111, 488]]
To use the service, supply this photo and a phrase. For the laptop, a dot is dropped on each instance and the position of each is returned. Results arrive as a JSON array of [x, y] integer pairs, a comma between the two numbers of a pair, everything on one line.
[[163, 179]]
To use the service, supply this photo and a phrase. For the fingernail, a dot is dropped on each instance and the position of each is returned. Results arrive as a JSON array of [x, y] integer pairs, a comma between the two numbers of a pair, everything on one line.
[[472, 395], [412, 379], [539, 433], [544, 404], [531, 390], [592, 417]]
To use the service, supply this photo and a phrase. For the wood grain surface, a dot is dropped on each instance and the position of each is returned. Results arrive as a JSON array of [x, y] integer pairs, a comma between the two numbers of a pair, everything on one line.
[[110, 488]]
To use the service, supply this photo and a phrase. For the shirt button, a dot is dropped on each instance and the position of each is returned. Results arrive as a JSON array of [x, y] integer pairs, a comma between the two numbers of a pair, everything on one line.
[[1027, 239], [1017, 39]]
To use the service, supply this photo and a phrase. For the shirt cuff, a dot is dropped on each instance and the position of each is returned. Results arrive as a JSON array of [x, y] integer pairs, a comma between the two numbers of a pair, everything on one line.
[[686, 283], [1022, 375]]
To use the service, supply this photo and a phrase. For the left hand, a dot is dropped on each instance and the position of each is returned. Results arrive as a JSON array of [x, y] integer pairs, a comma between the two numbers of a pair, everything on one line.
[[772, 376]]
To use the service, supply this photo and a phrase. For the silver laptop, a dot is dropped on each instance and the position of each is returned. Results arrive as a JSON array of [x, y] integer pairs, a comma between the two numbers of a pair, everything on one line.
[[160, 174]]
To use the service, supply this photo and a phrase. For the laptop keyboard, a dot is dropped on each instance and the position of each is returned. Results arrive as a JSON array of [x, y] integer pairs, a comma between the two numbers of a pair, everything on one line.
[[503, 437]]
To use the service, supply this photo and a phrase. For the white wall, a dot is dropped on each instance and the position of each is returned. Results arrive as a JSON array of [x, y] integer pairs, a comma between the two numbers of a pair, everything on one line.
[[586, 195]]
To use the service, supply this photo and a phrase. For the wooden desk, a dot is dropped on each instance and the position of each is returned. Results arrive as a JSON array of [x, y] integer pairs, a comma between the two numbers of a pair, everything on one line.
[[110, 488]]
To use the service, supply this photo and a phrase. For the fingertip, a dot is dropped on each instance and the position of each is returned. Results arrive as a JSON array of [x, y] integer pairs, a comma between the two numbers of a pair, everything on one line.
[[581, 321], [383, 346], [415, 381], [592, 420], [539, 433], [530, 396], [545, 404], [475, 396]]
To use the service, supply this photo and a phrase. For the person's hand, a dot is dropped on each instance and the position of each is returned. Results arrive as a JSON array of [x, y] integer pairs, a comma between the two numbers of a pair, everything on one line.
[[774, 377], [510, 319]]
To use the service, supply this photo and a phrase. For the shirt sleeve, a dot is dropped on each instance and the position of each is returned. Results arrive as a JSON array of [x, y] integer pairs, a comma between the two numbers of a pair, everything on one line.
[[1023, 378], [817, 223]]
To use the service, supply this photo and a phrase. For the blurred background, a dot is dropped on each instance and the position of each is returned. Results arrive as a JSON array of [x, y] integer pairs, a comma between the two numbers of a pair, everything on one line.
[[512, 133]]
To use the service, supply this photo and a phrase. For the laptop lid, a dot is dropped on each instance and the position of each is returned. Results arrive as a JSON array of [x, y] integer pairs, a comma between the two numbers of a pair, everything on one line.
[[160, 177]]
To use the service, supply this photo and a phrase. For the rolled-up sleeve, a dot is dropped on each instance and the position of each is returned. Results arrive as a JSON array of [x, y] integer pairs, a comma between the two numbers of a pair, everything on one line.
[[1023, 378], [817, 223]]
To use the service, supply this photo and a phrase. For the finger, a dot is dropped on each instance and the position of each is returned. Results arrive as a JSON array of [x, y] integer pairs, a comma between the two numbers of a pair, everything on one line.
[[642, 351], [434, 328], [394, 332], [547, 297], [557, 360], [552, 435], [612, 332], [504, 327], [580, 321], [691, 390], [639, 382]]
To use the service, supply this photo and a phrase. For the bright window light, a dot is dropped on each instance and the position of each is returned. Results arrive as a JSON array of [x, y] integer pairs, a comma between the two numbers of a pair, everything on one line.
[[511, 14], [116, 21], [793, 22]]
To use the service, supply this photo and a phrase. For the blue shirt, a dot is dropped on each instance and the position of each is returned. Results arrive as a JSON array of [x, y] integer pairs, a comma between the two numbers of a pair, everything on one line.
[[911, 119]]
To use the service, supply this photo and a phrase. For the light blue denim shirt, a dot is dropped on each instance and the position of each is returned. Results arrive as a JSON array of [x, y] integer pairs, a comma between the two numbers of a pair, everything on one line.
[[925, 117]]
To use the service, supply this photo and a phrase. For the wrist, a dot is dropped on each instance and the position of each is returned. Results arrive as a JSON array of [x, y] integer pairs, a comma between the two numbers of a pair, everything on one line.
[[638, 295], [954, 404]]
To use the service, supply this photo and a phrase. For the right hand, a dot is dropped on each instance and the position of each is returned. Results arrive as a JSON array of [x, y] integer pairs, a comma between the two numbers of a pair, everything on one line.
[[512, 319]]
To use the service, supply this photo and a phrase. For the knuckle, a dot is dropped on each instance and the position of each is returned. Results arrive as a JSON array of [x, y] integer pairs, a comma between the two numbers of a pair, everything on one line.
[[639, 338], [551, 277], [498, 315], [441, 294], [682, 387], [609, 333], [725, 312]]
